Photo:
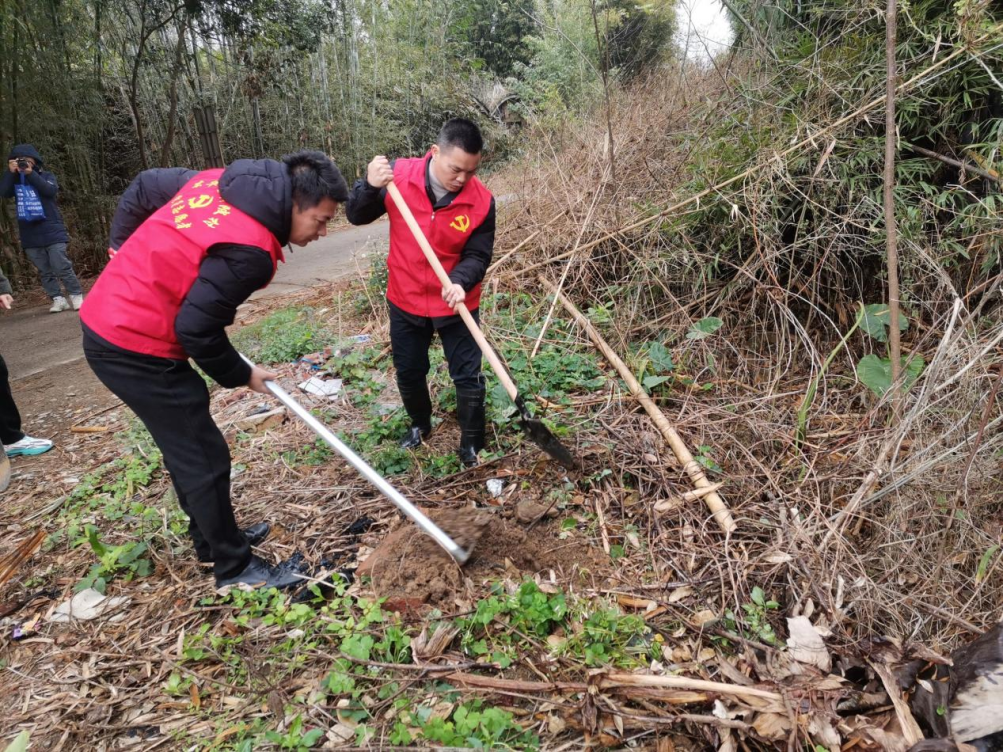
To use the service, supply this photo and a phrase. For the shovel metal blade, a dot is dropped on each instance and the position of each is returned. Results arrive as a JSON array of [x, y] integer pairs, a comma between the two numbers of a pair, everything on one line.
[[543, 438]]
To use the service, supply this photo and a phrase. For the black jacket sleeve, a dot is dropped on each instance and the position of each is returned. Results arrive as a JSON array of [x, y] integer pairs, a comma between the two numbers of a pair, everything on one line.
[[44, 183], [227, 277], [476, 255], [365, 203], [148, 192]]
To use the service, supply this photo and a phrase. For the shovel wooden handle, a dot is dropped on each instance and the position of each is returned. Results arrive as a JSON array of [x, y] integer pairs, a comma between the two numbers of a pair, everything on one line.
[[461, 308]]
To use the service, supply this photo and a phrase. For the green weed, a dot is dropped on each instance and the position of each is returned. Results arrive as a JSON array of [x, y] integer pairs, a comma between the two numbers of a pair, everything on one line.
[[283, 336], [113, 561]]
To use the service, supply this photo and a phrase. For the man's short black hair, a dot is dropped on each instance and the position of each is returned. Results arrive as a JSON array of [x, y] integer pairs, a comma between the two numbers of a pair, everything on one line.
[[463, 133], [315, 177]]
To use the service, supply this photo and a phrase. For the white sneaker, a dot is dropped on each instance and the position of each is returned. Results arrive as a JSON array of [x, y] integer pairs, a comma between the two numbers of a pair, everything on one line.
[[28, 446], [76, 301], [59, 303]]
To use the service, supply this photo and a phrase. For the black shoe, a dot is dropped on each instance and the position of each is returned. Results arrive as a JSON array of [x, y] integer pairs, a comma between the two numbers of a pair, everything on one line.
[[412, 439], [470, 415], [259, 573], [255, 534]]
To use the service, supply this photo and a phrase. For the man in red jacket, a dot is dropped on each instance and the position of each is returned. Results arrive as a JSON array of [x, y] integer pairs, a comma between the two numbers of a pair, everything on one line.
[[457, 214], [187, 248]]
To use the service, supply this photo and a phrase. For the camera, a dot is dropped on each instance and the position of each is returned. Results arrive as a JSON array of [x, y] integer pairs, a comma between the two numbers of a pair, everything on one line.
[[23, 163]]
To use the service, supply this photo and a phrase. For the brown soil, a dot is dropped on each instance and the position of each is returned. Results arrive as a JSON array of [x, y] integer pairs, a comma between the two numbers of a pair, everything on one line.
[[412, 571]]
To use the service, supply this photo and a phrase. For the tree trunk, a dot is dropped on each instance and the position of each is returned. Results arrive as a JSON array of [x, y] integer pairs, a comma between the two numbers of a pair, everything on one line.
[[172, 115]]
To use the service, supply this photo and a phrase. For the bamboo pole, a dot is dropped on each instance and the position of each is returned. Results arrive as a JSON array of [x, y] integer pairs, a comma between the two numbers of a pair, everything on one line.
[[891, 227], [722, 515]]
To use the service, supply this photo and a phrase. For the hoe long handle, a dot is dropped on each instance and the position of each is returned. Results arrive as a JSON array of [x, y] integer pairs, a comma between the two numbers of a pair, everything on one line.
[[410, 510], [461, 308]]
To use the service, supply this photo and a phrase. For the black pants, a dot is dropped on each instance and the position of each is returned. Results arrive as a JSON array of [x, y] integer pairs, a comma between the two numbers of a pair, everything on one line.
[[173, 402], [411, 336], [10, 418]]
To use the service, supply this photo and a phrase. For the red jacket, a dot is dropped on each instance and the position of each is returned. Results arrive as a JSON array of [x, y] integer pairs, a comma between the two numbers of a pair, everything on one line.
[[138, 295], [412, 285]]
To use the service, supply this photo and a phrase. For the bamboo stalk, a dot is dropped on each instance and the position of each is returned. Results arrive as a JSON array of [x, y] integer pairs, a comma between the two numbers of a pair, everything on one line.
[[722, 515], [614, 680]]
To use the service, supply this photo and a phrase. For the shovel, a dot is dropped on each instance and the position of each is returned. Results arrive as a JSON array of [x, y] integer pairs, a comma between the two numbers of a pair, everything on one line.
[[410, 510], [532, 427]]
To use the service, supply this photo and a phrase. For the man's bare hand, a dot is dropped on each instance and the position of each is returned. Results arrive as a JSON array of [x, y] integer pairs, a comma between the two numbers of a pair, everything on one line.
[[6, 301], [258, 378], [379, 174], [453, 295], [12, 165]]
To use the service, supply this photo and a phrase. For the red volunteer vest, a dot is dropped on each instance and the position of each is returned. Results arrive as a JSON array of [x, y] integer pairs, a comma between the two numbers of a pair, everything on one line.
[[412, 284], [138, 295]]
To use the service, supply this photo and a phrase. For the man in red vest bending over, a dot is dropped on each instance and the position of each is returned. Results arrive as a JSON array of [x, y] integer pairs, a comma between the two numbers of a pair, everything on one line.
[[187, 248], [457, 214]]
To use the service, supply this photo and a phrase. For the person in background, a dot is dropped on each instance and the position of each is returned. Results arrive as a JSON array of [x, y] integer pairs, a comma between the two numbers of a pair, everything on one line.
[[187, 248], [457, 214], [44, 239], [16, 443]]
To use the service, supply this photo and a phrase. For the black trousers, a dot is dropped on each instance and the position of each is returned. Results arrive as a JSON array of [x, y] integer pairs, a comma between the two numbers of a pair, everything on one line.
[[411, 336], [173, 402], [10, 418]]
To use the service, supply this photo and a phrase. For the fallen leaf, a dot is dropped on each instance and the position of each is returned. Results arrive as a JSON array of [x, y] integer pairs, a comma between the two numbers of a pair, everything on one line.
[[772, 726], [805, 644], [702, 618], [778, 558], [679, 593], [556, 724]]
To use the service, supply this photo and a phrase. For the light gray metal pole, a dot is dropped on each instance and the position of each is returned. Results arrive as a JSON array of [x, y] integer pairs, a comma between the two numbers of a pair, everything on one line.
[[410, 510]]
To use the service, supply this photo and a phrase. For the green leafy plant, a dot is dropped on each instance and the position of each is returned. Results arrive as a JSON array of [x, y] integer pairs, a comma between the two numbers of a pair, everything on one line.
[[113, 561], [177, 685], [876, 321], [755, 623], [659, 361], [472, 725], [529, 611], [296, 737], [876, 373], [609, 637], [704, 327], [704, 459]]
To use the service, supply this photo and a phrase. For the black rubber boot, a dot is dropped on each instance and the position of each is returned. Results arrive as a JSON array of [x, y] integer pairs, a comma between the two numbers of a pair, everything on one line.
[[418, 405], [470, 415]]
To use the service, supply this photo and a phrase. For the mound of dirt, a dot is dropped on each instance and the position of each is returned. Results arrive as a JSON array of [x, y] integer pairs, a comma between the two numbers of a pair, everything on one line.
[[412, 571]]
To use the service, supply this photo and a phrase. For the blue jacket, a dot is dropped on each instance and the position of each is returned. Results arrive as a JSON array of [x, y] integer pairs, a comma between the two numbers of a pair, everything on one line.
[[50, 230]]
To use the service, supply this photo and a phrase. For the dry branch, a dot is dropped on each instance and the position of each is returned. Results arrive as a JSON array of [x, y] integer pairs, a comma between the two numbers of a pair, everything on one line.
[[714, 501]]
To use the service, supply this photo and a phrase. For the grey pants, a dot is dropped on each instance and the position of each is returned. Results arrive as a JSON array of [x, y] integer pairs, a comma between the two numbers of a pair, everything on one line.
[[54, 265]]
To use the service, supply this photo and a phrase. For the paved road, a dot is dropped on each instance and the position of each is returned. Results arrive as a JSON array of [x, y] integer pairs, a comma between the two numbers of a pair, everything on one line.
[[32, 340]]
